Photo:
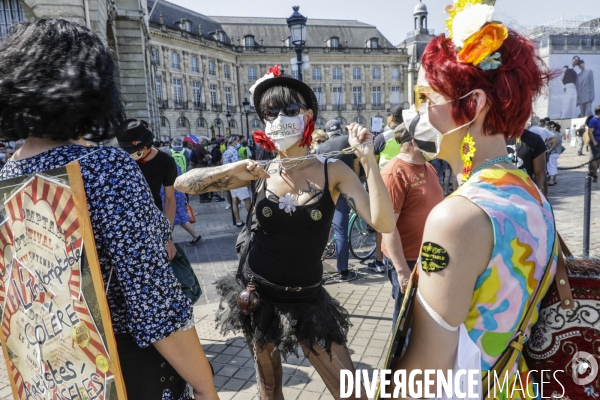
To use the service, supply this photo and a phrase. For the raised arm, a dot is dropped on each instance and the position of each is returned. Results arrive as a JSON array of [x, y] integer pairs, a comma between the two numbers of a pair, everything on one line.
[[376, 206], [223, 177]]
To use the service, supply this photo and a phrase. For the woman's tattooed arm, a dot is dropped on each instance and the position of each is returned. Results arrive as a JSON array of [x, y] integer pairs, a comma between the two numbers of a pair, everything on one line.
[[203, 180]]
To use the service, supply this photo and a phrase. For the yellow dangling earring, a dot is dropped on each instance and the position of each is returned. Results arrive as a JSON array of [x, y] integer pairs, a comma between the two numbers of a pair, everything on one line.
[[467, 152]]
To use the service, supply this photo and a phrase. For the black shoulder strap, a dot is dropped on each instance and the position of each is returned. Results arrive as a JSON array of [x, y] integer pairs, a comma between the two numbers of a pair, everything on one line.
[[326, 176], [248, 227]]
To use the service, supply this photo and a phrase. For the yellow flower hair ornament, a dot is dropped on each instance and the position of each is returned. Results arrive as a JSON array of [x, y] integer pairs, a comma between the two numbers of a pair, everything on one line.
[[475, 35]]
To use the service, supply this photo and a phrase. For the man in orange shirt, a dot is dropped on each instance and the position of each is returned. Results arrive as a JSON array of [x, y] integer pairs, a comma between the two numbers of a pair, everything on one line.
[[414, 188]]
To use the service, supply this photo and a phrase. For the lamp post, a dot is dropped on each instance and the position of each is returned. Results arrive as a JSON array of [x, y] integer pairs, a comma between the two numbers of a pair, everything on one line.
[[297, 25], [219, 127], [228, 115], [246, 104]]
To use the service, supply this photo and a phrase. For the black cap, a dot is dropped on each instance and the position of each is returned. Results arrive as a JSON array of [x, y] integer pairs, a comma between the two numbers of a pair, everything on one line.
[[333, 125], [396, 111], [402, 134], [134, 134]]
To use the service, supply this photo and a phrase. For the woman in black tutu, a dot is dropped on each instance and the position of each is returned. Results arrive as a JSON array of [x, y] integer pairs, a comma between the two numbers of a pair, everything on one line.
[[294, 210]]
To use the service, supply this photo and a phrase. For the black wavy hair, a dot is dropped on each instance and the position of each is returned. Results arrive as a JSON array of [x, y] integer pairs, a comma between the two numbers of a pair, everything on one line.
[[57, 81]]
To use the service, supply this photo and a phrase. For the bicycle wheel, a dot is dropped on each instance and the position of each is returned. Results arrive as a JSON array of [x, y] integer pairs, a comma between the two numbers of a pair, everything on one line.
[[362, 239], [330, 248]]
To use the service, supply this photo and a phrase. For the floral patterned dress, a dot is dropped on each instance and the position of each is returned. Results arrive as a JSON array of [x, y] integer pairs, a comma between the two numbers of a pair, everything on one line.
[[524, 235]]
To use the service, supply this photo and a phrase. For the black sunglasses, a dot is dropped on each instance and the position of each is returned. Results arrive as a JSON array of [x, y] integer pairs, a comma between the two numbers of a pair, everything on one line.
[[291, 111], [319, 141]]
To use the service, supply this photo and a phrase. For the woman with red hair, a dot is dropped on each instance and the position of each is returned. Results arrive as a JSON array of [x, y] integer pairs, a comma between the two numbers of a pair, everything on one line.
[[488, 246], [292, 216]]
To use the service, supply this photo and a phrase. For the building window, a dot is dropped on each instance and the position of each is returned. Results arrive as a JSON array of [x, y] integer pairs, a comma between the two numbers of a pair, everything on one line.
[[11, 13], [320, 122], [334, 43], [181, 122], [227, 71], [316, 74], [155, 56], [376, 73], [360, 120], [377, 95], [197, 93], [187, 25], [211, 68], [374, 43], [163, 121], [337, 96], [295, 73], [319, 95], [356, 75], [337, 73], [159, 88], [213, 94], [357, 95], [395, 73], [395, 97], [249, 42], [177, 92], [195, 65], [251, 74], [175, 61], [219, 35], [255, 123], [202, 123], [228, 97]]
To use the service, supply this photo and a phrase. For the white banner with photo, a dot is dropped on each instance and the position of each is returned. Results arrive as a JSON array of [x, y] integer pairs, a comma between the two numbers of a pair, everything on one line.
[[575, 92]]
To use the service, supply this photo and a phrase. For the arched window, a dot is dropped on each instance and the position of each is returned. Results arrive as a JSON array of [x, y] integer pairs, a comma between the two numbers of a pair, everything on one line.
[[11, 13], [374, 43], [164, 122], [256, 123], [201, 123], [182, 122], [359, 120]]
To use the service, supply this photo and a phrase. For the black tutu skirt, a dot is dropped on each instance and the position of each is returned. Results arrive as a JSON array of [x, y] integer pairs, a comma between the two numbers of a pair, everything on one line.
[[282, 319]]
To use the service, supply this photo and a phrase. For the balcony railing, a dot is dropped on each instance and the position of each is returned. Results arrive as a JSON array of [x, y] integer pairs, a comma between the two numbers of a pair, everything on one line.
[[199, 106], [178, 103], [357, 107], [216, 107], [377, 106], [339, 107]]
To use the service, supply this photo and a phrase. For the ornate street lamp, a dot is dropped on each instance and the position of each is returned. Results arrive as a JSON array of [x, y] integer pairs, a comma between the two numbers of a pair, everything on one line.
[[297, 25], [246, 104]]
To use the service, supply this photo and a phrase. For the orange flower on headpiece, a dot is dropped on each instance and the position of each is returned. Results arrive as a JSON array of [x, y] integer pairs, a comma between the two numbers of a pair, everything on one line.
[[482, 43]]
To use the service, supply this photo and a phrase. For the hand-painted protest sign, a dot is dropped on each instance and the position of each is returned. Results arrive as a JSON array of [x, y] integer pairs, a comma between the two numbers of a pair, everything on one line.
[[55, 324]]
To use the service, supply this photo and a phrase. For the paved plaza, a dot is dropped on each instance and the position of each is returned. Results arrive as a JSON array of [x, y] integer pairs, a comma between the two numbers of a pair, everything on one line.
[[367, 298]]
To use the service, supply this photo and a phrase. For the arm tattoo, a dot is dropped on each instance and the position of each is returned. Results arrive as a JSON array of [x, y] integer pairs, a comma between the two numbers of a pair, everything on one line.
[[203, 180], [350, 201]]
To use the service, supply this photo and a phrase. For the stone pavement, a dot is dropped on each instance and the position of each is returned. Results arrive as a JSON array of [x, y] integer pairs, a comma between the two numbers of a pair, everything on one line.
[[367, 298]]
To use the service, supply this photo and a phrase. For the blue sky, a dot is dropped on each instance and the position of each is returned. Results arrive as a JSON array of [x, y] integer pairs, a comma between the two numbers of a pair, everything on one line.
[[394, 17]]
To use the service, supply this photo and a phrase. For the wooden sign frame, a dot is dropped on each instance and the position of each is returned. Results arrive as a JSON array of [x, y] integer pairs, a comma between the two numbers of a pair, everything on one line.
[[83, 339]]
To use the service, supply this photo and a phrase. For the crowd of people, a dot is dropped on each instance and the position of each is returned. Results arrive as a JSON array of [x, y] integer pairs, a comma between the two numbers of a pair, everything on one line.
[[456, 220]]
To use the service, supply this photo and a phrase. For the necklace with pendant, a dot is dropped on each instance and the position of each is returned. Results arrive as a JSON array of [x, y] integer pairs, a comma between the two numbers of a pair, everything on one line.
[[282, 168]]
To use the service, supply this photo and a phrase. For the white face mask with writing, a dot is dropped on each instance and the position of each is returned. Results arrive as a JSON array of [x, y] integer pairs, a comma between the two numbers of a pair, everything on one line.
[[285, 131]]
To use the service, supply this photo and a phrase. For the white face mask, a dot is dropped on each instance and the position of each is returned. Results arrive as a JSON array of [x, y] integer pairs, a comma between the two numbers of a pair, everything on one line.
[[426, 136], [285, 131]]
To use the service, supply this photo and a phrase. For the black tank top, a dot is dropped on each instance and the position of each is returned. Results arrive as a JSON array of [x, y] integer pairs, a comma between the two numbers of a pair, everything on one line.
[[288, 248]]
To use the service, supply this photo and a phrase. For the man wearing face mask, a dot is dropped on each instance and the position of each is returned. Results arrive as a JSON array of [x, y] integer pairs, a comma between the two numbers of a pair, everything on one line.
[[158, 168], [231, 156], [413, 186]]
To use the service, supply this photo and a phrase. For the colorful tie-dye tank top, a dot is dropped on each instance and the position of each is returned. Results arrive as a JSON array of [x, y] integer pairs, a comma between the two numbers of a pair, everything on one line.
[[524, 235]]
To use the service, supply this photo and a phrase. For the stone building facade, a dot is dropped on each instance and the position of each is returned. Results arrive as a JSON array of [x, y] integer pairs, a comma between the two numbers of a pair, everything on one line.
[[189, 73], [204, 67]]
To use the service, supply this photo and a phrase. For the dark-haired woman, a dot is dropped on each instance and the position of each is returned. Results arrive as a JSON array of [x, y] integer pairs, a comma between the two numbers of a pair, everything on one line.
[[487, 246], [294, 210], [56, 87]]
